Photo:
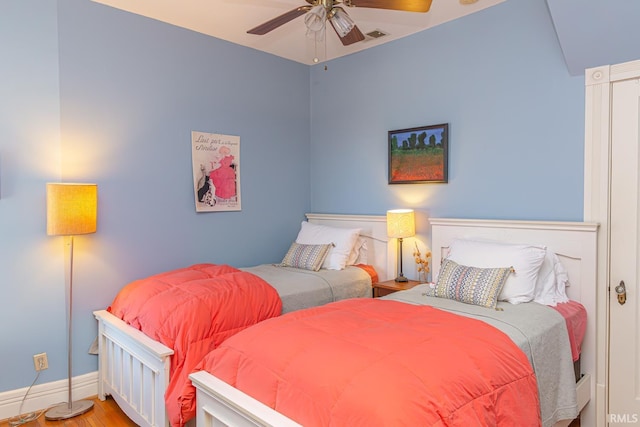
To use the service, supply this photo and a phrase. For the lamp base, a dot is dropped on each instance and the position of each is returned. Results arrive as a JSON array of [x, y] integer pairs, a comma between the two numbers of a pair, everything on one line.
[[401, 279], [63, 411]]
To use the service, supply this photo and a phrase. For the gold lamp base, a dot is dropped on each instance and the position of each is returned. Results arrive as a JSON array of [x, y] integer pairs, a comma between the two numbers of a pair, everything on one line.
[[64, 410]]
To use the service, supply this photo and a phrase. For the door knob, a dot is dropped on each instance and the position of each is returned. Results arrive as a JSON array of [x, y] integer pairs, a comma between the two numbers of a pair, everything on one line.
[[621, 290]]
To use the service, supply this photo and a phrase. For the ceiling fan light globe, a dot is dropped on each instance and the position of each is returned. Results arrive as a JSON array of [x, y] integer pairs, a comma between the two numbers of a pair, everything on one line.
[[315, 18], [342, 22]]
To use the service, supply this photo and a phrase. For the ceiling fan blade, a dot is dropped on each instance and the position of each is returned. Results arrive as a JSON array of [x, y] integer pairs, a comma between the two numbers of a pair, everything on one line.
[[353, 36], [279, 20], [405, 5]]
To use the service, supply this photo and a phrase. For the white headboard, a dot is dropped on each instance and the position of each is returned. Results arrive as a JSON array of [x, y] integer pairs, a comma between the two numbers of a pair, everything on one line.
[[575, 243], [374, 230]]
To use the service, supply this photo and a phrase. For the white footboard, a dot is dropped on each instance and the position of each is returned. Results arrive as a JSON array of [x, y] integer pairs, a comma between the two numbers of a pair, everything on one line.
[[133, 369], [220, 405]]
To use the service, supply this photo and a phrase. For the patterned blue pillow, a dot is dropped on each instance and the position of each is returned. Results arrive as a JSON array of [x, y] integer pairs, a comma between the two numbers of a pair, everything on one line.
[[471, 285], [308, 257]]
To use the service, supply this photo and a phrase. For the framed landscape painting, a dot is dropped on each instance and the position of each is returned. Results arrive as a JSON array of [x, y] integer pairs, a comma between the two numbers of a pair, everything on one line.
[[419, 155]]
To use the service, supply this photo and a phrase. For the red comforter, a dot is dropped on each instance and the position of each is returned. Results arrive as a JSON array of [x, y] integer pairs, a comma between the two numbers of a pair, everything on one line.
[[193, 310], [370, 362]]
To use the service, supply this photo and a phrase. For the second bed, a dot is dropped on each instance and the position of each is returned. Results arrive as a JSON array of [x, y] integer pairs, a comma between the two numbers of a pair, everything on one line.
[[159, 327]]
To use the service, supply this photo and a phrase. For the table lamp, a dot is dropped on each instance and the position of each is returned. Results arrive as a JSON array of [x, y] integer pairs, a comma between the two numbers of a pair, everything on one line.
[[400, 224]]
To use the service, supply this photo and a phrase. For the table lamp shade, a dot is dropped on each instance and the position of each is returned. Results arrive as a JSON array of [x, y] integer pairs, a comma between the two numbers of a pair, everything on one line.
[[72, 209], [401, 223]]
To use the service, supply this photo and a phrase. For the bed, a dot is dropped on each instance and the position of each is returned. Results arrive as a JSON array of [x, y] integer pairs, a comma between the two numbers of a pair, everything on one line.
[[136, 370], [573, 243]]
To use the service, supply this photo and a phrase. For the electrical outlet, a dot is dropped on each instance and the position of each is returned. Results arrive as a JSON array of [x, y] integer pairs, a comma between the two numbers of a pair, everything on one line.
[[40, 361]]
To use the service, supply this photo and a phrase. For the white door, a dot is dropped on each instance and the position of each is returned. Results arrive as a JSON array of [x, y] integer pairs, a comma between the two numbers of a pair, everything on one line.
[[624, 328]]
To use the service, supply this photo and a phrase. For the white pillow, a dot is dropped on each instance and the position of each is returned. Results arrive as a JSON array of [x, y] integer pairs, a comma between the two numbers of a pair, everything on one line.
[[552, 282], [344, 239], [525, 260], [363, 255], [360, 248]]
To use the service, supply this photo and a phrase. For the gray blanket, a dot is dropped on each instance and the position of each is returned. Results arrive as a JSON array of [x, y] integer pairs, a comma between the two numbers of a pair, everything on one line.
[[300, 288], [540, 332]]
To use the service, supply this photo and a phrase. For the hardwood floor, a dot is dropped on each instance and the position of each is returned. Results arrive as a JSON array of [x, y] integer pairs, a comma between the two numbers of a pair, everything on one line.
[[103, 414], [107, 414]]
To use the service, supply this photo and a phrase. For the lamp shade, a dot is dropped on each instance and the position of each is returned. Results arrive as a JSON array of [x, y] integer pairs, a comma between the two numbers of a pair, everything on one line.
[[71, 209], [401, 223]]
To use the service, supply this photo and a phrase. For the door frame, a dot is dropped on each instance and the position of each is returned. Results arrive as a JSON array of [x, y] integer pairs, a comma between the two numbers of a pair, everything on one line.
[[597, 164]]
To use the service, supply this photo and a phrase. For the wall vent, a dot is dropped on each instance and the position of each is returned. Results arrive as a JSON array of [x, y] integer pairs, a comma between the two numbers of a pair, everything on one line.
[[376, 34]]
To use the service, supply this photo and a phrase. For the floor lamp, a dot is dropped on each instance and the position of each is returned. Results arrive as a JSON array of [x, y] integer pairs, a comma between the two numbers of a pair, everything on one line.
[[71, 210], [401, 223]]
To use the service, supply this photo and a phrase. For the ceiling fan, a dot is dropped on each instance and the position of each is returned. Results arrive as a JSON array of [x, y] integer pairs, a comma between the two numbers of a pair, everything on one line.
[[320, 11]]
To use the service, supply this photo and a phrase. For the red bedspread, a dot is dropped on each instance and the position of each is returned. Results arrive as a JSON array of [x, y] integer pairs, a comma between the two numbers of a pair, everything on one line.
[[193, 310], [575, 315], [371, 362]]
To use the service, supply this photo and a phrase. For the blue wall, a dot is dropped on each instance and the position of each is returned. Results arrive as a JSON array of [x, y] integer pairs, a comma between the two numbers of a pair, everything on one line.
[[31, 265], [100, 95], [516, 120]]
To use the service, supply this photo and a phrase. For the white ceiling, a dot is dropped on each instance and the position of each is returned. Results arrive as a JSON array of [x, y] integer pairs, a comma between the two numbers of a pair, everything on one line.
[[230, 19]]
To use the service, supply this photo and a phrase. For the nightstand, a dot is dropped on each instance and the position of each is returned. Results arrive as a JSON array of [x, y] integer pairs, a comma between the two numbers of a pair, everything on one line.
[[381, 289]]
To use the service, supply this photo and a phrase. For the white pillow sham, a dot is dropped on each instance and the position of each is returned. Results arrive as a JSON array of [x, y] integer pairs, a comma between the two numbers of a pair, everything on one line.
[[358, 254], [344, 240], [526, 261], [552, 282]]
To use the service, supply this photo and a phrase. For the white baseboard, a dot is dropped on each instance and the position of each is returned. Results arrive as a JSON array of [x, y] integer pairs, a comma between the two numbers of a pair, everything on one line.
[[43, 396]]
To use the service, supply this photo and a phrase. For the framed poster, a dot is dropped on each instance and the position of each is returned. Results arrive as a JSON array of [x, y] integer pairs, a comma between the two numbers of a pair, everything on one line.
[[216, 171], [418, 155]]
